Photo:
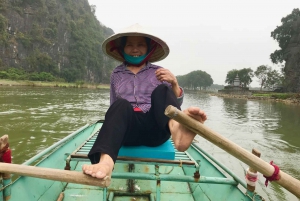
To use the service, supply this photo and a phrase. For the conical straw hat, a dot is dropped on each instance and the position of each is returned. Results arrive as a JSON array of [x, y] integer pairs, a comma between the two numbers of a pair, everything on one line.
[[111, 44]]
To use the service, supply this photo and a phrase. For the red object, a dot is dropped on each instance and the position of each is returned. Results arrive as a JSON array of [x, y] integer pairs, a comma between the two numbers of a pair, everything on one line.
[[137, 109], [5, 154], [250, 178], [6, 157], [180, 92], [275, 175]]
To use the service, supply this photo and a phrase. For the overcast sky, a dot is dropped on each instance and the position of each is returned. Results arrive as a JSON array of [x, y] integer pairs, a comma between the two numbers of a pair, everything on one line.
[[214, 36]]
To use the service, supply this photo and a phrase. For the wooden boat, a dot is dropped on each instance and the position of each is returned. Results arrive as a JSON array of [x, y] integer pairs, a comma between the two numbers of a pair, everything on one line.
[[191, 175]]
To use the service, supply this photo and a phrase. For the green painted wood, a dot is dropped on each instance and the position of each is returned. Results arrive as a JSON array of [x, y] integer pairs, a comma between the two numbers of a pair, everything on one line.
[[54, 160], [33, 189], [225, 192], [1, 192]]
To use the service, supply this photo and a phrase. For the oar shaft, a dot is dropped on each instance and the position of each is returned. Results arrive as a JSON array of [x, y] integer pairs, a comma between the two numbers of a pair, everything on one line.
[[53, 174], [286, 181]]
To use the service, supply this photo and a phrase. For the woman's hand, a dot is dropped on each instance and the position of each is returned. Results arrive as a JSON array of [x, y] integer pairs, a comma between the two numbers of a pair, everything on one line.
[[163, 74]]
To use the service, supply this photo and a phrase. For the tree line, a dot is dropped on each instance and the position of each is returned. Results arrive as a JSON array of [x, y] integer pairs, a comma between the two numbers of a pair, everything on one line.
[[288, 78], [195, 80], [268, 78]]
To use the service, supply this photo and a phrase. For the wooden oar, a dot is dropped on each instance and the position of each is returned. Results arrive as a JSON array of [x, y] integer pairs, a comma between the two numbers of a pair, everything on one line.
[[286, 181], [53, 174]]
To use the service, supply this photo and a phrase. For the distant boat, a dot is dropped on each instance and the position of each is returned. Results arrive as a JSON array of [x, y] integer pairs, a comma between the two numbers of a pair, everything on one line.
[[191, 175]]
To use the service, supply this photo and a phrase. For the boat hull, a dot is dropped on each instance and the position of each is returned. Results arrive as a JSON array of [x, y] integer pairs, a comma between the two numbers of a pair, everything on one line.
[[131, 180]]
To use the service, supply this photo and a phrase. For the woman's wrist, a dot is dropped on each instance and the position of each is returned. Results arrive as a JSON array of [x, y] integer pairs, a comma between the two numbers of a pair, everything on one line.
[[176, 89]]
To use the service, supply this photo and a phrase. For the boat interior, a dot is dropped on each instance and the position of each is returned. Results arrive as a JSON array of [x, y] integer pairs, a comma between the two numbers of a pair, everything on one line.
[[190, 175]]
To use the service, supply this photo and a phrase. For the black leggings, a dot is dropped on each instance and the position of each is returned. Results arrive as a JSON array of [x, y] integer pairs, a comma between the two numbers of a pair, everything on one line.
[[123, 126]]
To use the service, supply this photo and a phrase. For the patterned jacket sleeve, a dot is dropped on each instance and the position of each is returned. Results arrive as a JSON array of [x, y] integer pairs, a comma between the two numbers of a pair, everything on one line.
[[113, 96], [180, 98]]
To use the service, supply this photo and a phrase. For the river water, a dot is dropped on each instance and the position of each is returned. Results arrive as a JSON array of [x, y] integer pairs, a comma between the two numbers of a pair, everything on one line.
[[35, 118]]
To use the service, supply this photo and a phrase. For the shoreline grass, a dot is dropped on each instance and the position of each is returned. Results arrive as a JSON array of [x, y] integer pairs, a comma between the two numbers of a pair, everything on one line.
[[4, 82], [276, 95]]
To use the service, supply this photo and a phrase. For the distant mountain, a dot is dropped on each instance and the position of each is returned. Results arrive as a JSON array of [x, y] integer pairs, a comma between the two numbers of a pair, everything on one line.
[[61, 37]]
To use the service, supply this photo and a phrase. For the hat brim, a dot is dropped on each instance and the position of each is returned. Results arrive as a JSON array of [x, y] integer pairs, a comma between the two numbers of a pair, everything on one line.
[[162, 50]]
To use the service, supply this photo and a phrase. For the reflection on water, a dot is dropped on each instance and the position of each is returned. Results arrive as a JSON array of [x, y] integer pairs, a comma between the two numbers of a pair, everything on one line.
[[35, 118]]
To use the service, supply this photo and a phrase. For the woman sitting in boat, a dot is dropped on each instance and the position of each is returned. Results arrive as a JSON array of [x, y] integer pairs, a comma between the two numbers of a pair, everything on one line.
[[139, 94]]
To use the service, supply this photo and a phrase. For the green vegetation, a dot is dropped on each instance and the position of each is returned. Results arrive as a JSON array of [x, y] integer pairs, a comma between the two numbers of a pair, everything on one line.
[[283, 34], [268, 78], [244, 75], [3, 34], [275, 95], [62, 38], [287, 36], [20, 74], [195, 80], [4, 82], [19, 77]]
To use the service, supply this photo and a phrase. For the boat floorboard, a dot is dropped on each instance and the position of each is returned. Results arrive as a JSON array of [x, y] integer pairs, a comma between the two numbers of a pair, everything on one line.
[[142, 188]]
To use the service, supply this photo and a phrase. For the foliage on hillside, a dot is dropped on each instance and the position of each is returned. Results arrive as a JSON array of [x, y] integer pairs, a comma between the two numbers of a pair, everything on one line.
[[21, 74], [60, 37]]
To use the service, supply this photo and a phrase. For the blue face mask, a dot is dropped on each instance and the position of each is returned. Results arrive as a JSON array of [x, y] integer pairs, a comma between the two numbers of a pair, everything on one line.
[[134, 60]]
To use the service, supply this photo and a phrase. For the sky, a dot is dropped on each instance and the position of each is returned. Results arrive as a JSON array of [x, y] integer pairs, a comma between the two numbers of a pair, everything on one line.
[[214, 36]]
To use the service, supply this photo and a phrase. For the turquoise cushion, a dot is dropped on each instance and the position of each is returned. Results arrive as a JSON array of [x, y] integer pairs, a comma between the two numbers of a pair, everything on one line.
[[164, 151]]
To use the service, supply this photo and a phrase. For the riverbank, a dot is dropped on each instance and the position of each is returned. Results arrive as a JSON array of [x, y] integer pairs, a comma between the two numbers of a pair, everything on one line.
[[51, 84], [288, 98]]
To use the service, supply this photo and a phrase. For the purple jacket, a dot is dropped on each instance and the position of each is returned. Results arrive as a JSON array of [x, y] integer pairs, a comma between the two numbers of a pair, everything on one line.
[[136, 88]]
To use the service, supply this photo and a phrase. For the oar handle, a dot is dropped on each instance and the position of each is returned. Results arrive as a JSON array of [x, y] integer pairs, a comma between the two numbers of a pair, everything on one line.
[[286, 181], [53, 174]]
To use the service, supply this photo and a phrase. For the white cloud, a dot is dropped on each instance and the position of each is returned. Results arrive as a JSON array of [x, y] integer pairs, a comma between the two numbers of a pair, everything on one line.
[[214, 36]]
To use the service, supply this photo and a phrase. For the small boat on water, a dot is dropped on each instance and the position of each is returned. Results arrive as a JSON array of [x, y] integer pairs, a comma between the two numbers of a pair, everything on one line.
[[140, 173]]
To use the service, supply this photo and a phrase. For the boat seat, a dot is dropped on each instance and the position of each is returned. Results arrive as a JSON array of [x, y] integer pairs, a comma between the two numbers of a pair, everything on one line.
[[165, 151], [165, 154]]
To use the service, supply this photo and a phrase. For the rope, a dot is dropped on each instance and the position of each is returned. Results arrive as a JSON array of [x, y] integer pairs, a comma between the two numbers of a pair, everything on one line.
[[275, 176], [167, 172], [251, 177]]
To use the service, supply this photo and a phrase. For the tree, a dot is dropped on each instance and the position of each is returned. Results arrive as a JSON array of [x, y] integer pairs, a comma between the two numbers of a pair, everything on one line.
[[245, 76], [231, 75], [274, 79], [268, 78], [93, 9], [207, 80], [262, 74], [288, 37], [283, 34], [195, 79]]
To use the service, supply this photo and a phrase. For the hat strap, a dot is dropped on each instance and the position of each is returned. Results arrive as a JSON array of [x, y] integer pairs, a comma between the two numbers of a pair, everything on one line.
[[114, 47]]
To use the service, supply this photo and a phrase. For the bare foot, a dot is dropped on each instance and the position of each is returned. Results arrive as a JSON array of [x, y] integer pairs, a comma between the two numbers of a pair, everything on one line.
[[101, 170], [182, 136]]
